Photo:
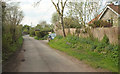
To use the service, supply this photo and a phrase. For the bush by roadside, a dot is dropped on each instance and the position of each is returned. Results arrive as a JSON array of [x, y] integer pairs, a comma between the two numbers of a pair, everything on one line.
[[11, 48], [98, 54]]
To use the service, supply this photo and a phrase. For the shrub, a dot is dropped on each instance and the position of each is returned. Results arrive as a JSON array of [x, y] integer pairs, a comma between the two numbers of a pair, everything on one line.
[[59, 37], [109, 47], [93, 47], [32, 33], [37, 33], [100, 23], [106, 24], [97, 23], [45, 37], [43, 33], [105, 40], [92, 25], [25, 31], [101, 45], [36, 37]]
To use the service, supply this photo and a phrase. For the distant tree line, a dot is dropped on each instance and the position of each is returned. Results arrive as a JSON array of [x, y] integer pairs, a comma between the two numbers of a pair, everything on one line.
[[40, 31]]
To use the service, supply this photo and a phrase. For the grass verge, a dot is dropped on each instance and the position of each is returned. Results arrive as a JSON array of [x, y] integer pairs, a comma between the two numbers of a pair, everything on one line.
[[93, 52]]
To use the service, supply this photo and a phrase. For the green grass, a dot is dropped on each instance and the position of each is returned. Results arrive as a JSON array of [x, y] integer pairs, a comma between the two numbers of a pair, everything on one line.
[[93, 52]]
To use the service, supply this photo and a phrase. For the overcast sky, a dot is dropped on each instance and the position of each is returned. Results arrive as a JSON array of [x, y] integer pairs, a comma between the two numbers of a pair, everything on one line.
[[33, 15]]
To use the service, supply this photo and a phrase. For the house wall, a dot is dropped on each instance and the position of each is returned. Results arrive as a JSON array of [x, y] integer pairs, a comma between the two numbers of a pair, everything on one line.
[[112, 33], [110, 14]]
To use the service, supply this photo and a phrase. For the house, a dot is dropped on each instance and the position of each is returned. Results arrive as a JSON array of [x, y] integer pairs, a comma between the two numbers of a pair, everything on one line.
[[111, 13], [96, 18]]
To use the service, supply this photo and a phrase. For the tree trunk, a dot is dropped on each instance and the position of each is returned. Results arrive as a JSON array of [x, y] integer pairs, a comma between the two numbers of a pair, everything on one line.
[[63, 26]]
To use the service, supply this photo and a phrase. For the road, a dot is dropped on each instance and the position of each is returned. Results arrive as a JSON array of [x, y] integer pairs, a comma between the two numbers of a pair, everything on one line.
[[37, 56]]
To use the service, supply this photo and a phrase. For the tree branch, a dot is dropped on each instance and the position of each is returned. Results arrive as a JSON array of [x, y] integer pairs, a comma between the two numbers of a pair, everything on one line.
[[57, 7]]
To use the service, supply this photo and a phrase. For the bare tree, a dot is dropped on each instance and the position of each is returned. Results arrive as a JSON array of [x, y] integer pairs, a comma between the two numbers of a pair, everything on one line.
[[84, 10], [60, 10], [13, 17]]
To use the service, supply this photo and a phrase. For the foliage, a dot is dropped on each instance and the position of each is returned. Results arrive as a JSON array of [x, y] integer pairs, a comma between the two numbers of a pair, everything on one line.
[[71, 22], [26, 29], [12, 31], [81, 10], [60, 6], [41, 35], [100, 23], [99, 54], [105, 39], [38, 34], [41, 30], [36, 37], [9, 48], [32, 32], [55, 18]]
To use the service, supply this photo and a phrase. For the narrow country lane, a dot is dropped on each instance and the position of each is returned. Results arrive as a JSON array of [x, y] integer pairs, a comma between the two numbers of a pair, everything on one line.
[[39, 57]]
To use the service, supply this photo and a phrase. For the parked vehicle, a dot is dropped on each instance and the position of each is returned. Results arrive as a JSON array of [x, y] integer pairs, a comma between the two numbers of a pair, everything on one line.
[[51, 36]]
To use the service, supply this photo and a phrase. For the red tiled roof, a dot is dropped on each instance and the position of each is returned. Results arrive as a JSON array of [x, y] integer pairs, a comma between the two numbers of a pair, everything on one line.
[[115, 8], [96, 18]]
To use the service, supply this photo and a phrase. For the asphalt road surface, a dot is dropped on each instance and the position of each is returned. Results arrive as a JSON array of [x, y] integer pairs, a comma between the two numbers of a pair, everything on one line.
[[37, 56]]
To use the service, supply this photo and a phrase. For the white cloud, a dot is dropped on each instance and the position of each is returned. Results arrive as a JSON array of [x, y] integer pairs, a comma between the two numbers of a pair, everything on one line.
[[35, 14]]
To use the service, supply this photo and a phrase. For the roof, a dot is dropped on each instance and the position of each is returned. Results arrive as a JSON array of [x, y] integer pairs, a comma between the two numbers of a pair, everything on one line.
[[114, 8], [96, 18]]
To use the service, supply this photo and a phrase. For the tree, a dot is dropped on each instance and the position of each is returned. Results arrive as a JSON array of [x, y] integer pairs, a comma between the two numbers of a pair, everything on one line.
[[11, 29], [55, 18], [43, 24], [83, 10], [12, 18], [60, 10], [71, 22]]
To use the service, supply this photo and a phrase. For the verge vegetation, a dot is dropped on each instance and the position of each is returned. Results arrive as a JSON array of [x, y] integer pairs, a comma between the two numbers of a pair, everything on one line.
[[98, 54], [11, 29]]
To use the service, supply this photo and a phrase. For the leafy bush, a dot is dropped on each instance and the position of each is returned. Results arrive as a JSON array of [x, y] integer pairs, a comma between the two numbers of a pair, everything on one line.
[[105, 40], [97, 23], [100, 23], [45, 37], [36, 37], [93, 47], [101, 46], [42, 35], [109, 47], [38, 34], [92, 25], [106, 24], [71, 22], [32, 32], [59, 37]]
